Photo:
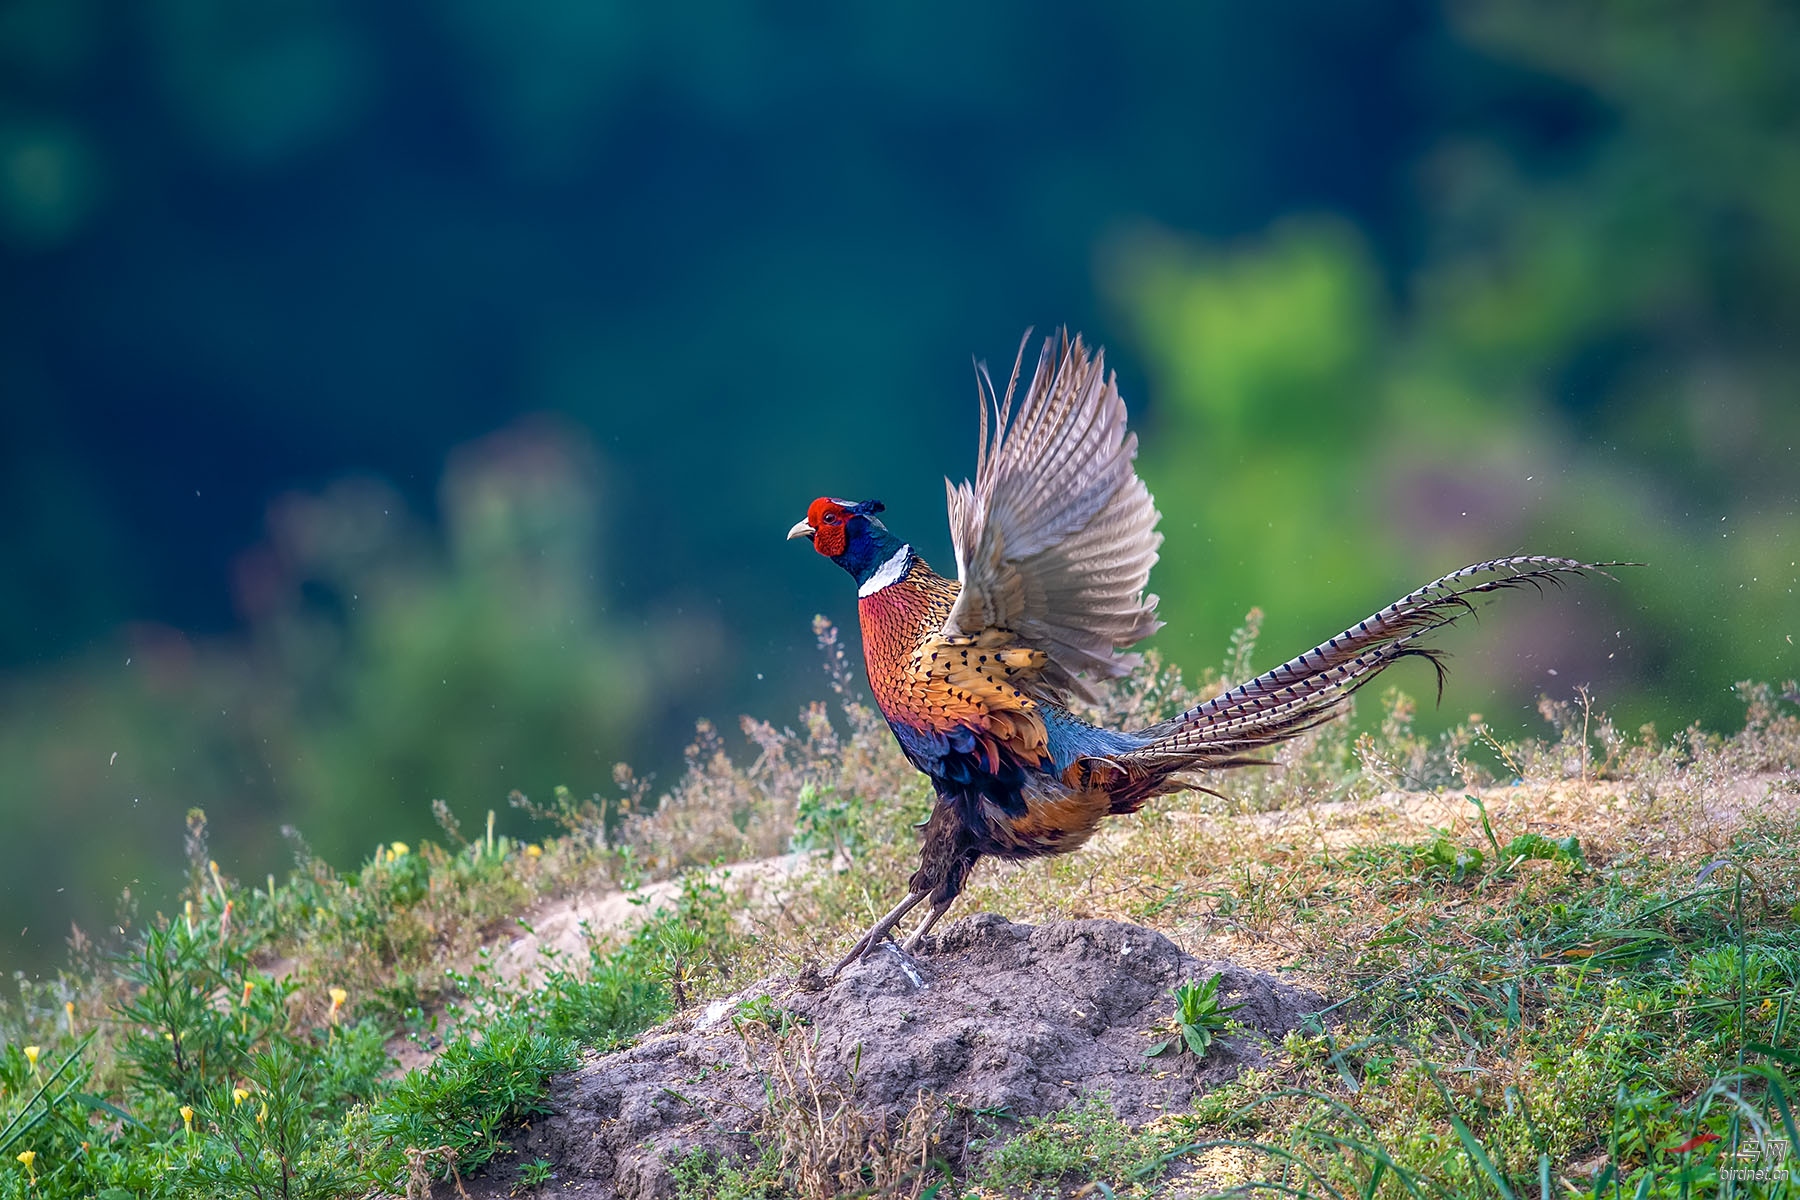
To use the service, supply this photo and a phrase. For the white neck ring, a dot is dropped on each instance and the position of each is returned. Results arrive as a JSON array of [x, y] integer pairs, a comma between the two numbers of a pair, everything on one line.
[[888, 574]]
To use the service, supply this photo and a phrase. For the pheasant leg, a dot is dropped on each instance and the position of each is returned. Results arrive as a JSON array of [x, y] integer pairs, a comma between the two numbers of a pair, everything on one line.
[[937, 911], [880, 930]]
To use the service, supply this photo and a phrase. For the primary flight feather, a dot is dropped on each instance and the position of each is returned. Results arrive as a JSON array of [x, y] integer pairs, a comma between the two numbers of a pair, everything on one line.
[[1054, 541]]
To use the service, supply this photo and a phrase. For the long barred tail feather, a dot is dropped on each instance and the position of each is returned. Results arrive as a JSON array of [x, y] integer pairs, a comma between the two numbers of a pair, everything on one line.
[[1307, 691]]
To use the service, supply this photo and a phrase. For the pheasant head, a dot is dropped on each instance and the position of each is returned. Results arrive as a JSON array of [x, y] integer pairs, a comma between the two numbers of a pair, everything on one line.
[[849, 534]]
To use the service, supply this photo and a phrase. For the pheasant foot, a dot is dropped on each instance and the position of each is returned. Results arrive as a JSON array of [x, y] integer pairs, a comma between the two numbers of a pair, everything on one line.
[[881, 929]]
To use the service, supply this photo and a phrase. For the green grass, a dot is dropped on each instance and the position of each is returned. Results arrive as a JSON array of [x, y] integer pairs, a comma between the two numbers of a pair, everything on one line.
[[1084, 1141], [701, 1175], [227, 1060], [460, 1107]]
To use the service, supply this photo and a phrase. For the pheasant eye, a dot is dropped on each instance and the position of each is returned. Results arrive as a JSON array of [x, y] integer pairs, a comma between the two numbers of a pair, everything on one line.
[[832, 518]]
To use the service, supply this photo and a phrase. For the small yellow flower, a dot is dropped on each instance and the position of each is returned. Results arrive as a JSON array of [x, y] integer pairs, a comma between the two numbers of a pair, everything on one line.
[[400, 849], [187, 910], [187, 1117], [29, 1158], [249, 986], [239, 1095], [69, 1012], [534, 851], [338, 996], [31, 1055], [262, 1112]]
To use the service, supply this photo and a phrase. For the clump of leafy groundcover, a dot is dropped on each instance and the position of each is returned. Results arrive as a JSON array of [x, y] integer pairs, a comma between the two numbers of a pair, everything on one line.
[[1085, 1141], [617, 999], [1199, 1017], [200, 1012], [704, 1175], [45, 1115], [455, 1111], [269, 1137]]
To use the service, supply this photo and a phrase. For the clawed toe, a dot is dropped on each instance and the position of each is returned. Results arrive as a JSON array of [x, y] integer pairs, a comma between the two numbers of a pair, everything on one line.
[[882, 930], [862, 949]]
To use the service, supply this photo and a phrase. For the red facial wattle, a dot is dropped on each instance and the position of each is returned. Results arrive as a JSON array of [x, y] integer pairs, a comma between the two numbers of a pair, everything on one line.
[[828, 518], [848, 533]]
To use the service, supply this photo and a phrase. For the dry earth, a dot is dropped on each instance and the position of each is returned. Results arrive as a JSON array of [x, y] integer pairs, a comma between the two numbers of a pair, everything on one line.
[[992, 1023]]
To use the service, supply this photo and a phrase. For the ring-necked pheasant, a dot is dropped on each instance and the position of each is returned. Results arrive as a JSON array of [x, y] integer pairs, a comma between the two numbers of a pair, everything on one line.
[[1054, 544]]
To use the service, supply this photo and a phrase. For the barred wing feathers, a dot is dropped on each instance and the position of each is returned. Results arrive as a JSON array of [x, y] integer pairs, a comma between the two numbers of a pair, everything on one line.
[[1056, 537]]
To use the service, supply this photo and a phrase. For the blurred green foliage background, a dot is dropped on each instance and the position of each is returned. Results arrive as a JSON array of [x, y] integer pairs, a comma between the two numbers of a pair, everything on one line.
[[406, 401]]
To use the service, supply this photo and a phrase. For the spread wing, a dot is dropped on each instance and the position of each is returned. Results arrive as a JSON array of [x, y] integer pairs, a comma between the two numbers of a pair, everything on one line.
[[1056, 537]]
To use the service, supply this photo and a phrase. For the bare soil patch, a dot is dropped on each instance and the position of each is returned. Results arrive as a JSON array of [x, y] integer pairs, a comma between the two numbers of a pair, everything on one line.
[[994, 1023]]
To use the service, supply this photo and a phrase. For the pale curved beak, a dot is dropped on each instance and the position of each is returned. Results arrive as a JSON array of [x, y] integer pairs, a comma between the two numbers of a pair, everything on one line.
[[801, 529]]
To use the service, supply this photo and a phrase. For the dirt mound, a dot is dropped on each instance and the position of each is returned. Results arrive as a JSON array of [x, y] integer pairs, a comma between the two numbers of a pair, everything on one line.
[[993, 1017]]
